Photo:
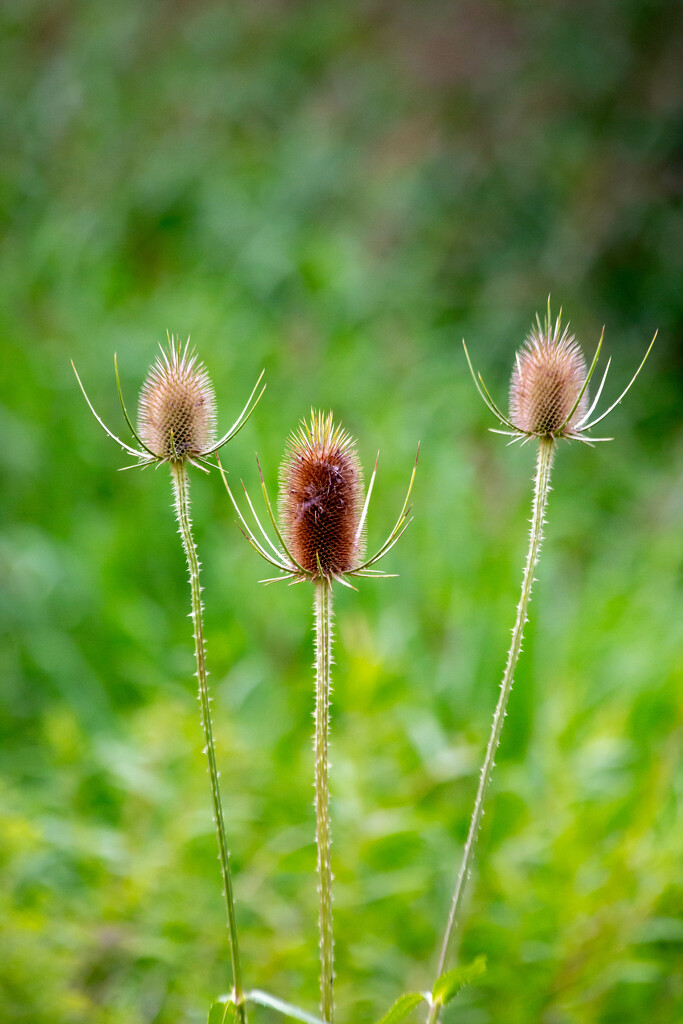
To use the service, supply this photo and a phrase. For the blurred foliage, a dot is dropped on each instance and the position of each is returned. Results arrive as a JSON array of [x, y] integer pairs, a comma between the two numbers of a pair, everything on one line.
[[338, 192]]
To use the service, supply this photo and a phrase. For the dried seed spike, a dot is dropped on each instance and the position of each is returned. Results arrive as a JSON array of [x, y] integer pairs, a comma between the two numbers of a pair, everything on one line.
[[177, 411], [321, 498], [549, 373]]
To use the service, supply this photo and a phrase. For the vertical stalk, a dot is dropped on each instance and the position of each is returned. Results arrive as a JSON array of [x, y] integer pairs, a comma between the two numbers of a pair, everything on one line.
[[323, 661], [182, 506], [546, 448]]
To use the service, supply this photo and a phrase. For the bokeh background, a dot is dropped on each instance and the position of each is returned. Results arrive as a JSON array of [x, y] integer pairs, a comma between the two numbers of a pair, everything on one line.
[[339, 192]]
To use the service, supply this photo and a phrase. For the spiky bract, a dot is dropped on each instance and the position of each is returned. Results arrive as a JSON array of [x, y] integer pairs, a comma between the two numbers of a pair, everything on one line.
[[321, 498], [177, 411], [548, 378]]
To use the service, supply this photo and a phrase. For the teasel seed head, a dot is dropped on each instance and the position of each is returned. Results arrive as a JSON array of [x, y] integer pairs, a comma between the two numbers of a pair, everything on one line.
[[549, 388], [177, 410], [177, 413], [547, 383], [321, 530], [321, 498]]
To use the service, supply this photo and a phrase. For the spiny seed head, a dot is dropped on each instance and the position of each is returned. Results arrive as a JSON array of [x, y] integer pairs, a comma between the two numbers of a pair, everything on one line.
[[321, 498], [177, 411], [549, 373]]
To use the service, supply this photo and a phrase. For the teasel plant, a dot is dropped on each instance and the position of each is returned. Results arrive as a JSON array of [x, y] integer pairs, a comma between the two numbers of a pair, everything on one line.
[[548, 403], [319, 535], [177, 426]]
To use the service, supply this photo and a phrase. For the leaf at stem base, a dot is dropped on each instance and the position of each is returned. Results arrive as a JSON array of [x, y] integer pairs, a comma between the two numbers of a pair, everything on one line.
[[223, 1012], [403, 1007], [449, 984], [286, 1009]]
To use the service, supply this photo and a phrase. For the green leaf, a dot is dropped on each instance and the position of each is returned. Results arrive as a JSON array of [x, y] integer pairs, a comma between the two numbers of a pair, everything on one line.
[[450, 983], [223, 1012], [402, 1007], [286, 1009]]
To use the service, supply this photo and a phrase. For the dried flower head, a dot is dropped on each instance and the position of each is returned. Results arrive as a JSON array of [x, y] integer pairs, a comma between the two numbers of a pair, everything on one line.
[[321, 533], [548, 382], [177, 413], [321, 498], [549, 387]]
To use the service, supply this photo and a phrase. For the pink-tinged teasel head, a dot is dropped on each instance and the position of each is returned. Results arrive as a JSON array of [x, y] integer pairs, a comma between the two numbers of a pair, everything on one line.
[[548, 378], [177, 411], [321, 499], [549, 388]]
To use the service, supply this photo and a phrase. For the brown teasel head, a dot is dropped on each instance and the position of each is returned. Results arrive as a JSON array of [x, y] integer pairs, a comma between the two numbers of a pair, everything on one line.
[[549, 373], [321, 498], [177, 410]]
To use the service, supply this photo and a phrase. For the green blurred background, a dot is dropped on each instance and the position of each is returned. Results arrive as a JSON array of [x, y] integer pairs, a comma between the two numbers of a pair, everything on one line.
[[338, 192]]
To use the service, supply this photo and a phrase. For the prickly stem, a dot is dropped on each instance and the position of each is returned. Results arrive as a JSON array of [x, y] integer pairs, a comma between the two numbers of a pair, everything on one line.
[[182, 507], [323, 660], [542, 487]]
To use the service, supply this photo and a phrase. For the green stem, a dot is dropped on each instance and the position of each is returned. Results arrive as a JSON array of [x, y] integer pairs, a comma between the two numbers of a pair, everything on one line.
[[323, 661], [546, 450], [182, 505]]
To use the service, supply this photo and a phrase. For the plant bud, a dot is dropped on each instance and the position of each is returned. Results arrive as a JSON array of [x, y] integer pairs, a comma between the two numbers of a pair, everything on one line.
[[177, 411], [321, 498], [546, 382]]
